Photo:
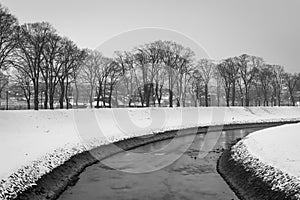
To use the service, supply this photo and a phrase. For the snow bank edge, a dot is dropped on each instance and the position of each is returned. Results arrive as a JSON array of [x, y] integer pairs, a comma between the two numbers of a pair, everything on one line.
[[251, 179]]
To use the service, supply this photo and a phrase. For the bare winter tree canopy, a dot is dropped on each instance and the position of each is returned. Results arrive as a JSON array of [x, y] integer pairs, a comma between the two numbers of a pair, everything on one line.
[[8, 36], [50, 71]]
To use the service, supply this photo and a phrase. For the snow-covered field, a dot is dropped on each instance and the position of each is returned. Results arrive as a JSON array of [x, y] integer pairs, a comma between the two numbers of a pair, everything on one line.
[[35, 142], [278, 146], [274, 155]]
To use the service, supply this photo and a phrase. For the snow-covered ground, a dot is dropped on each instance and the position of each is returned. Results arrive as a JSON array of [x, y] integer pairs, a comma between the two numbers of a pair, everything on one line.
[[278, 147], [273, 155], [35, 142]]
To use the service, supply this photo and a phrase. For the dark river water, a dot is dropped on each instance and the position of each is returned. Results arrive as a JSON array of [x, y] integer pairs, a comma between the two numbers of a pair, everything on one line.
[[169, 169]]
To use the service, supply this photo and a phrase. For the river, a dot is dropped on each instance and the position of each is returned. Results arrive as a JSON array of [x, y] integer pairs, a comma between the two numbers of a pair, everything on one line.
[[146, 173]]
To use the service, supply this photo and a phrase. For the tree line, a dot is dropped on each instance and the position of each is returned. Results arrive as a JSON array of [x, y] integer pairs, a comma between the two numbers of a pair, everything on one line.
[[36, 60]]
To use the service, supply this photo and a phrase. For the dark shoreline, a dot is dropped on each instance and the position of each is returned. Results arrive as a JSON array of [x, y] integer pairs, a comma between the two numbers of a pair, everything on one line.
[[51, 185]]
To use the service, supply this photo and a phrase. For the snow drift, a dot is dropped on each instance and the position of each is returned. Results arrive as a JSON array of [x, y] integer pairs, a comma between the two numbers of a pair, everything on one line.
[[35, 142]]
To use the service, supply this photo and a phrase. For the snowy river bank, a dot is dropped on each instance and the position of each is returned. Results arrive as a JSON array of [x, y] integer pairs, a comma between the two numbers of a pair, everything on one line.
[[36, 143], [265, 164]]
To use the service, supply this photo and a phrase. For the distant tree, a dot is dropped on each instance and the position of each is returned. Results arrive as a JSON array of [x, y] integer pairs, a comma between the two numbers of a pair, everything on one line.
[[206, 68], [126, 62], [177, 60], [218, 79], [114, 73], [290, 81], [248, 69], [8, 36], [277, 83], [4, 79], [184, 67], [224, 74], [29, 56], [102, 75], [234, 75], [71, 58], [50, 66], [197, 85], [229, 71], [170, 57], [91, 71], [265, 79], [156, 70], [23, 81], [141, 63]]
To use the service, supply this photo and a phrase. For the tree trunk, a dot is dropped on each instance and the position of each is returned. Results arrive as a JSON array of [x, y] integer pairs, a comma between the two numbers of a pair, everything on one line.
[[158, 93], [62, 94], [146, 94], [110, 94], [293, 100], [99, 93], [51, 99], [247, 100], [227, 91], [77, 93], [116, 98], [28, 104], [46, 96], [170, 98], [104, 94], [36, 94], [67, 94], [206, 95], [233, 95]]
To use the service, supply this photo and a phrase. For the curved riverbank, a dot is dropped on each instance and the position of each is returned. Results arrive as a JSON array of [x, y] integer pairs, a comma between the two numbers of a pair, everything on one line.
[[253, 177], [51, 185], [44, 140]]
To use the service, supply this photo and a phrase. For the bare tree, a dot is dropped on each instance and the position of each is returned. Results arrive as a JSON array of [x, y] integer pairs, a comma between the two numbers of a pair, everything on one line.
[[206, 68], [229, 71], [156, 76], [29, 56], [51, 67], [115, 71], [4, 78], [218, 80], [197, 85], [91, 72], [71, 58], [126, 62], [265, 79], [248, 69], [23, 81], [183, 68], [141, 61], [277, 83], [290, 81], [170, 58], [8, 36]]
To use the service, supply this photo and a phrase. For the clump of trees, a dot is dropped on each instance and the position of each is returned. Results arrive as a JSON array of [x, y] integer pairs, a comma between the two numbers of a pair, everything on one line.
[[37, 60], [48, 69]]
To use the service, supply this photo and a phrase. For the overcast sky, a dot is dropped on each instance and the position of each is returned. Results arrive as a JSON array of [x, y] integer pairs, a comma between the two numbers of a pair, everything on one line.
[[266, 28]]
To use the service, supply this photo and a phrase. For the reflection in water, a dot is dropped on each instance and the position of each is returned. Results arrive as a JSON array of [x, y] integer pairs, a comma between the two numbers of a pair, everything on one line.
[[189, 177]]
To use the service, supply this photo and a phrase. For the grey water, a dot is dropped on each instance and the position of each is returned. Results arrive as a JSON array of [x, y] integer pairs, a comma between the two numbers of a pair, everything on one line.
[[169, 169]]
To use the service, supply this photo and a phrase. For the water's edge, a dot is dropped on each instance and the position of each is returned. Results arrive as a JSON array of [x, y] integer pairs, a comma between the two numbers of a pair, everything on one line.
[[51, 185], [244, 183]]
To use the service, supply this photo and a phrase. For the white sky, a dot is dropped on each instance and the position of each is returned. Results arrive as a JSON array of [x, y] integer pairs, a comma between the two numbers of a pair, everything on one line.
[[266, 28]]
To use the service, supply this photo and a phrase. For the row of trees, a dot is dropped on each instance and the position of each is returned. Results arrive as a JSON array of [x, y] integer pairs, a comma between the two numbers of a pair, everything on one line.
[[245, 73], [37, 61], [153, 71]]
